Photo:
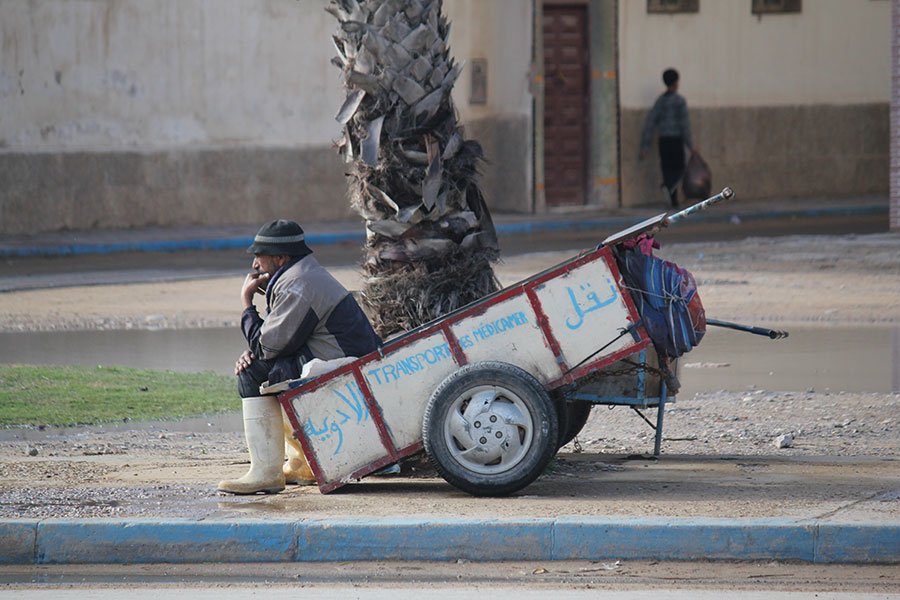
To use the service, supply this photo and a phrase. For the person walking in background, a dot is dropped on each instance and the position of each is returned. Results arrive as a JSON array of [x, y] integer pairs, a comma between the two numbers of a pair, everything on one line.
[[669, 117]]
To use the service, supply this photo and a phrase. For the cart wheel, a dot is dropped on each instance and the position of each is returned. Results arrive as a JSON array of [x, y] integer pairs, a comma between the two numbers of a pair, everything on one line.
[[490, 429], [578, 413]]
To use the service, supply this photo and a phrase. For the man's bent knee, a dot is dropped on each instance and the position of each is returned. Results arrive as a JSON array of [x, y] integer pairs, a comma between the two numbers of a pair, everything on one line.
[[252, 377]]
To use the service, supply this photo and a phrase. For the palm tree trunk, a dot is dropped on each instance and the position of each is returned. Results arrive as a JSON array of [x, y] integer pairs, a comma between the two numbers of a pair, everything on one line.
[[411, 173]]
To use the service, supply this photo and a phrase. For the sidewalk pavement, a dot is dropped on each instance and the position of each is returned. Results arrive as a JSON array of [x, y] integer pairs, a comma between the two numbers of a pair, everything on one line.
[[868, 537], [200, 237]]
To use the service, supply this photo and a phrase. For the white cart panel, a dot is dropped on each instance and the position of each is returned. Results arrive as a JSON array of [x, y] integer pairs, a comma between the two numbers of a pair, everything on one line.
[[402, 383], [339, 428], [508, 331], [586, 310]]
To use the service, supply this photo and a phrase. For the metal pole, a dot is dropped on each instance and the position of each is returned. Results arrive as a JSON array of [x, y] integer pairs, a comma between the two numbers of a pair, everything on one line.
[[775, 334], [725, 194], [657, 444]]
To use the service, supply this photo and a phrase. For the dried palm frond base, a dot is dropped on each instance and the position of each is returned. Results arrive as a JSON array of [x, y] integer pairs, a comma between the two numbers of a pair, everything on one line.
[[414, 294]]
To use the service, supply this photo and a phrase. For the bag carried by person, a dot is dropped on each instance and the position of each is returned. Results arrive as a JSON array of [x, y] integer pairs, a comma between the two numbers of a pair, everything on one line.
[[697, 181]]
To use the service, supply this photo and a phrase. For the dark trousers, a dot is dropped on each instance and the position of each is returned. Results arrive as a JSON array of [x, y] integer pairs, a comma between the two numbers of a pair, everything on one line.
[[252, 377], [671, 159], [273, 371]]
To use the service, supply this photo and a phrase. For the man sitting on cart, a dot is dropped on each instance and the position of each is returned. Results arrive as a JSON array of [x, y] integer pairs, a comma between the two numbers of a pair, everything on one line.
[[309, 315]]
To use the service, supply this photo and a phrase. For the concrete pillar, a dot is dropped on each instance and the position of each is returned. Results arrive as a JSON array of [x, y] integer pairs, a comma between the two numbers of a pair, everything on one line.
[[895, 117]]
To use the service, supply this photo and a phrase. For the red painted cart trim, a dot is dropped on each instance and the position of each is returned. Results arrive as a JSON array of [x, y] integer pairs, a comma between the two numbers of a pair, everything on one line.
[[455, 347], [544, 325], [318, 382], [626, 295], [413, 448], [376, 414], [371, 467], [358, 474], [564, 268], [479, 307]]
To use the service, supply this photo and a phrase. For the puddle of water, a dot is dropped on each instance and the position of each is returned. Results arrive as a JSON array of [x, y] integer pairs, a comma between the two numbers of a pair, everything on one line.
[[180, 350], [849, 359], [836, 359]]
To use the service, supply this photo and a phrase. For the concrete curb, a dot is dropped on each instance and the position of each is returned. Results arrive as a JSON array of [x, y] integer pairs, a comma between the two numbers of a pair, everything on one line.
[[68, 541], [523, 227]]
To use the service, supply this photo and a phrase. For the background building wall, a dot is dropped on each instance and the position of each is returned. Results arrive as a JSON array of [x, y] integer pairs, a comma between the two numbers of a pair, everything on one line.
[[781, 105], [604, 180], [499, 32], [128, 113], [123, 113]]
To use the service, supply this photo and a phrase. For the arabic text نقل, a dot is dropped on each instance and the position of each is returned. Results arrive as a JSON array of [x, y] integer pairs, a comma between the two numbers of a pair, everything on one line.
[[591, 304]]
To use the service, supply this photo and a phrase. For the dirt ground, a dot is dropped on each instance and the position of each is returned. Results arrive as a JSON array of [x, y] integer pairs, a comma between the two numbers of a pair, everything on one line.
[[720, 455]]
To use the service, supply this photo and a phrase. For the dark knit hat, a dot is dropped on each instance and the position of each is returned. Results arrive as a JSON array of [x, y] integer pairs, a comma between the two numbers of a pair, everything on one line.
[[280, 237]]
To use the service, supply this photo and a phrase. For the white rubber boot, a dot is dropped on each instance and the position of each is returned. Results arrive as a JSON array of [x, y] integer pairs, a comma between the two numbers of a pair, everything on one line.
[[263, 430], [296, 469]]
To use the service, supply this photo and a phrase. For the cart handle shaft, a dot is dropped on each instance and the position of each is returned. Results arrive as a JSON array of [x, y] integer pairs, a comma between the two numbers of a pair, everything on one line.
[[725, 194], [774, 334]]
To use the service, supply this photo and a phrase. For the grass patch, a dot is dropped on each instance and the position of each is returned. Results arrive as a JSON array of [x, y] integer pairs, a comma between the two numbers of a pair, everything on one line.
[[68, 395]]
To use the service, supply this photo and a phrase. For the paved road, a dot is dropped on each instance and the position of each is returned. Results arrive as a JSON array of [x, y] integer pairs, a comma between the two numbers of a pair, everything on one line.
[[20, 273], [769, 580], [414, 592]]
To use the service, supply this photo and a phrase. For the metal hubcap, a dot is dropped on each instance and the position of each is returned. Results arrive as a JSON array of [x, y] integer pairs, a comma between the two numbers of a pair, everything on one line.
[[488, 429]]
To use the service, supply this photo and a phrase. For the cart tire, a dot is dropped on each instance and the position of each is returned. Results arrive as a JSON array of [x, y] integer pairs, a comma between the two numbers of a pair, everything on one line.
[[577, 416], [490, 429]]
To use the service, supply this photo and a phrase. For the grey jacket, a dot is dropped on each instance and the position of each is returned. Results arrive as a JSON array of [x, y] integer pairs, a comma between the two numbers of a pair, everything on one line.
[[669, 116], [310, 315]]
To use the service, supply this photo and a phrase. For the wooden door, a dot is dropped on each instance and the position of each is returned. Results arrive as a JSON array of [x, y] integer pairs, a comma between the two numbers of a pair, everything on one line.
[[566, 104]]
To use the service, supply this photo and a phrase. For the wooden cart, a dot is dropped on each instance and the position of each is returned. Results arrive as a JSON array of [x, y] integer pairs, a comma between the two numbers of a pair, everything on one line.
[[492, 390]]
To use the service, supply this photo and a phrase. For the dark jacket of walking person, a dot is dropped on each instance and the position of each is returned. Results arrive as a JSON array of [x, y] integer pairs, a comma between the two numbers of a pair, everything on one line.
[[669, 118]]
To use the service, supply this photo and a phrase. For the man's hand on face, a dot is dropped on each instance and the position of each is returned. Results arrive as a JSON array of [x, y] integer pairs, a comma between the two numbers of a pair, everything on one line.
[[243, 361], [254, 283]]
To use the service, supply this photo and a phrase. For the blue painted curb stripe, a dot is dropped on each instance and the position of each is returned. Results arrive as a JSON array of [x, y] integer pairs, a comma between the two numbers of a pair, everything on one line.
[[64, 541], [107, 541], [166, 246], [416, 539], [17, 542], [684, 539], [524, 228], [858, 543]]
